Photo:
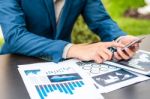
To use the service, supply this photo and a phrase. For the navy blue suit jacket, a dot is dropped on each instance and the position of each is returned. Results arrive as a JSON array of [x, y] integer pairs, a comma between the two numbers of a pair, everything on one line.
[[29, 26]]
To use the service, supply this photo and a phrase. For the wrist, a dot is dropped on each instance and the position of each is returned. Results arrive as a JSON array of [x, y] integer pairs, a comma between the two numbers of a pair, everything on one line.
[[71, 52], [66, 49], [74, 51]]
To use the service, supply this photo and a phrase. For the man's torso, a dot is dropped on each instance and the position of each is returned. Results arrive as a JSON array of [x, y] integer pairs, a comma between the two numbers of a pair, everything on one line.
[[40, 17]]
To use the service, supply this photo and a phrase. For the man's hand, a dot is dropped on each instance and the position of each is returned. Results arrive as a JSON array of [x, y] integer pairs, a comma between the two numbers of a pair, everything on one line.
[[98, 51], [127, 53]]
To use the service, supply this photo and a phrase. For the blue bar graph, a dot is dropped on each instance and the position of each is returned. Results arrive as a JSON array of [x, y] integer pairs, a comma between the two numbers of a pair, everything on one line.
[[81, 82], [46, 88], [71, 86], [42, 90], [50, 88], [74, 84], [54, 87], [66, 88], [39, 92], [78, 84], [63, 87], [59, 88]]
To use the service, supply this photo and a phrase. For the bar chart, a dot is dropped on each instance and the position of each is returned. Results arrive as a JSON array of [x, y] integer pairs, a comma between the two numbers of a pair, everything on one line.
[[65, 88]]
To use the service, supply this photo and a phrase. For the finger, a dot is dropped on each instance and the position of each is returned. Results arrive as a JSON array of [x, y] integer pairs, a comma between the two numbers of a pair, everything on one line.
[[129, 52], [109, 53], [135, 47], [103, 55], [117, 56], [123, 54], [97, 59]]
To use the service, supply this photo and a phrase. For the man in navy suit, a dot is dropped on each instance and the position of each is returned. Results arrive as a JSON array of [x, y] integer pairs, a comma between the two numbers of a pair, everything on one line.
[[42, 28]]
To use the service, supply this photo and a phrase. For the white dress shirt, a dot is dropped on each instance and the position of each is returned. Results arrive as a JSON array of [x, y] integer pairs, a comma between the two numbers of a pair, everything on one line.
[[59, 4]]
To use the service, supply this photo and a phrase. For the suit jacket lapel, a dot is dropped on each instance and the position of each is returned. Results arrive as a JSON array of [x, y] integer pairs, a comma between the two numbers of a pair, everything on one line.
[[50, 6], [63, 17]]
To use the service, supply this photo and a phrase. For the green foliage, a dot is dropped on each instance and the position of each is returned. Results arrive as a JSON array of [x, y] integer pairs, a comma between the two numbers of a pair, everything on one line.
[[132, 26], [1, 41], [116, 8], [81, 33]]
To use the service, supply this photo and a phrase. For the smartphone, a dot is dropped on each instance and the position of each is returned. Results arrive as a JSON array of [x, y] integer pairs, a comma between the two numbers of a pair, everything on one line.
[[133, 42]]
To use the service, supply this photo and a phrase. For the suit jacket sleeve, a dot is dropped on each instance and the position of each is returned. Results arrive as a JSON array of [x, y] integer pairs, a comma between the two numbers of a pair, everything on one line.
[[100, 22], [19, 40]]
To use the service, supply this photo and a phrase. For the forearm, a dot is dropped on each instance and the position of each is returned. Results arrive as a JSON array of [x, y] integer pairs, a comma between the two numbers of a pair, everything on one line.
[[30, 44], [19, 40]]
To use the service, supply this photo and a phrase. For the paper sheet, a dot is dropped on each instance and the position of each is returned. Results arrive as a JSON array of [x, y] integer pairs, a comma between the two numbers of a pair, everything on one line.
[[107, 77], [54, 81], [140, 63]]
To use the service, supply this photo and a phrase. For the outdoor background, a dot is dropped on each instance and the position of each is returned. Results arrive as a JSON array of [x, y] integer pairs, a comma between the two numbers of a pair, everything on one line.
[[117, 9]]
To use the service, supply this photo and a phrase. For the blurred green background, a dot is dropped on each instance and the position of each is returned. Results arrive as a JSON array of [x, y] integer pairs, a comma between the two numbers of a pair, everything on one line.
[[1, 38], [116, 8]]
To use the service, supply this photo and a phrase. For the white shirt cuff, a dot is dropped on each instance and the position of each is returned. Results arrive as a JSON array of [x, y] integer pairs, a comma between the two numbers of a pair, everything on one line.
[[66, 49], [119, 38]]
